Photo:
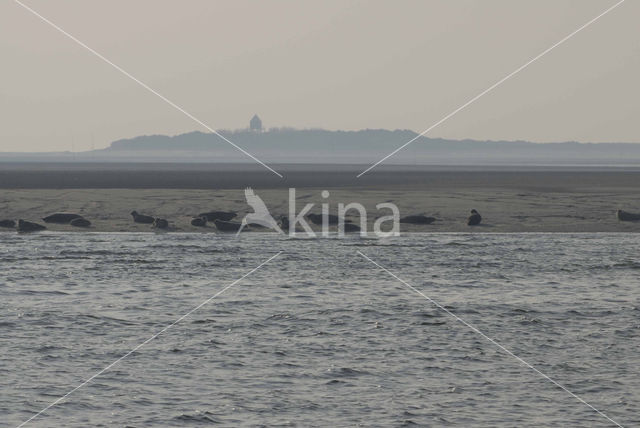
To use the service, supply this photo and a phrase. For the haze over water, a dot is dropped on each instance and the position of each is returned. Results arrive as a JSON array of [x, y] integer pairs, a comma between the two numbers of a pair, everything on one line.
[[319, 336]]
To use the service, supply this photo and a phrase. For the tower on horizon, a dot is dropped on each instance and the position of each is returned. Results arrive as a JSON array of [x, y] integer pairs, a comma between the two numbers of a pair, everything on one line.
[[255, 124]]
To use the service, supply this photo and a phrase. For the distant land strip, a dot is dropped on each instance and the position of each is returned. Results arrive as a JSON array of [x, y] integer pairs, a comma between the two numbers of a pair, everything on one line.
[[285, 145]]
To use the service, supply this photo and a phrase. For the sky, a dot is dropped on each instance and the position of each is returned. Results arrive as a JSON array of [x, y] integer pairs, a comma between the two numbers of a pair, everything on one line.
[[336, 64]]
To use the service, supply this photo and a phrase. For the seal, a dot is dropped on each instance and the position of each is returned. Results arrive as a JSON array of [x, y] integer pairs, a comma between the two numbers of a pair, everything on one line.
[[27, 226], [227, 226], [61, 218], [351, 228], [474, 219], [199, 222], [284, 223], [627, 216], [218, 215], [9, 224], [80, 222], [160, 223], [140, 218]]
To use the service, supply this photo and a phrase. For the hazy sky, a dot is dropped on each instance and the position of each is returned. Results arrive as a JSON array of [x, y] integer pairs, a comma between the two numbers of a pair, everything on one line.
[[330, 64]]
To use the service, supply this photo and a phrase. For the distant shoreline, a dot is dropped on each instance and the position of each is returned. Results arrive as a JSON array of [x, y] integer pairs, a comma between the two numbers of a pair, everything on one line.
[[365, 146]]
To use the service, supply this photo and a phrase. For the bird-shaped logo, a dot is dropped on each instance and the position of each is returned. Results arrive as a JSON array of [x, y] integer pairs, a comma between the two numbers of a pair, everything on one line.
[[260, 214]]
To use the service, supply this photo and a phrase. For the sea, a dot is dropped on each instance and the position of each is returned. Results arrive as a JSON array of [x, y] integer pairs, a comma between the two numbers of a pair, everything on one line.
[[182, 330]]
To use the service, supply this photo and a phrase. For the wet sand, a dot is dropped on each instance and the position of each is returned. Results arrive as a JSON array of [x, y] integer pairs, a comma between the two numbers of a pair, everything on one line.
[[239, 176], [510, 200]]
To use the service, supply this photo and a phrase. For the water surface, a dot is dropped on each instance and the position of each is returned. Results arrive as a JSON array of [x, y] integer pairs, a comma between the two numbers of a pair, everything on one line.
[[319, 336]]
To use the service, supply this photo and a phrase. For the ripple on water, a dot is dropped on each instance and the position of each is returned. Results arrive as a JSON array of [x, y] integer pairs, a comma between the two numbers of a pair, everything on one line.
[[310, 340]]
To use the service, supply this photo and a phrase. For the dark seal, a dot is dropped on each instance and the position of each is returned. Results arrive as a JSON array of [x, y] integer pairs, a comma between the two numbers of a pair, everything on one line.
[[61, 218], [227, 226], [27, 226], [140, 218], [627, 216], [199, 222], [80, 222], [9, 224], [160, 223], [218, 215], [474, 219]]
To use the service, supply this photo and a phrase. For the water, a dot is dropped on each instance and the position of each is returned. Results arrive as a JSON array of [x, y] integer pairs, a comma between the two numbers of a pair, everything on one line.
[[319, 336]]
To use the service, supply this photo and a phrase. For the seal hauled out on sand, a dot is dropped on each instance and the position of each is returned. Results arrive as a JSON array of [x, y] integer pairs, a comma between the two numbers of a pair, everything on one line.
[[627, 216], [61, 218], [160, 223], [27, 226], [474, 219], [140, 218], [284, 223], [351, 228], [199, 221], [218, 215], [80, 222], [227, 226], [8, 224], [417, 219]]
